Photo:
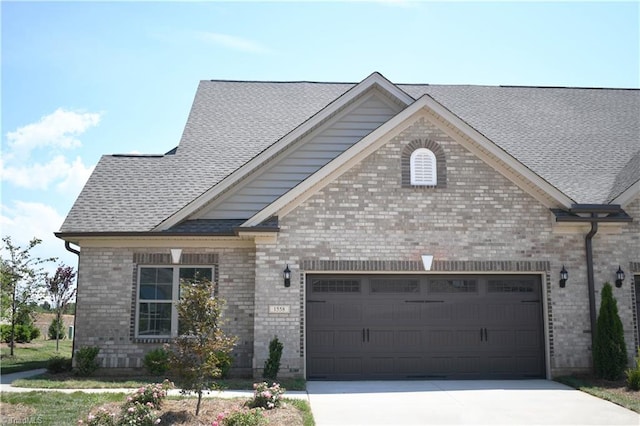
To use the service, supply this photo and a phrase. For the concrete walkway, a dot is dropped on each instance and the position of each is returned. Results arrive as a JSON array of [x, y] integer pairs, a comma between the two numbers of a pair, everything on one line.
[[428, 402], [504, 402], [7, 379]]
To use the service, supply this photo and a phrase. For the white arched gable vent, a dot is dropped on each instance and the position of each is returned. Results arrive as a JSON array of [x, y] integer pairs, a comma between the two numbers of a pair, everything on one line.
[[423, 167]]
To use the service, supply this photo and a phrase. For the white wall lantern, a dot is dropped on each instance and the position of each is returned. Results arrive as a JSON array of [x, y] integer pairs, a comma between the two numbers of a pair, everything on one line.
[[427, 261], [175, 255]]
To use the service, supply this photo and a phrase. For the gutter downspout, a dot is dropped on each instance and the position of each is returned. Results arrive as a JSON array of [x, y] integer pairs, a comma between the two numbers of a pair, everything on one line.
[[592, 213], [590, 280], [67, 245]]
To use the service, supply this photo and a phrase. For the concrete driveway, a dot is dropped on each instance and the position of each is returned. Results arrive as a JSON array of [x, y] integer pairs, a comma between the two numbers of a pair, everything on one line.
[[440, 402]]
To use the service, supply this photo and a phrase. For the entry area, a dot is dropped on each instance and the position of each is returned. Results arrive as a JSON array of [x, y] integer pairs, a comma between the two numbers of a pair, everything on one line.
[[424, 327]]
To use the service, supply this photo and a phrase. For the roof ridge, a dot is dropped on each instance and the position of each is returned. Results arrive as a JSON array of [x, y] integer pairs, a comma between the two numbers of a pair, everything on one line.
[[279, 81], [506, 86]]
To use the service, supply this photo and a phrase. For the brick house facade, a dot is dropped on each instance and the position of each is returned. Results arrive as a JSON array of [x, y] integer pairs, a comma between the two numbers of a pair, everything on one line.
[[500, 219]]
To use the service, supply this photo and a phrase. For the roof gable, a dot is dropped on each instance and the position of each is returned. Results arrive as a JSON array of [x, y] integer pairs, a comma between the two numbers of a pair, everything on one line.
[[374, 82], [583, 143], [446, 121]]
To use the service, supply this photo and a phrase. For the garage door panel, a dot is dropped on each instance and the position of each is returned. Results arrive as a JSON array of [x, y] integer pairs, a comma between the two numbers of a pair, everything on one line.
[[451, 339], [465, 365], [378, 312], [423, 326], [349, 340], [437, 313], [527, 339], [321, 366], [349, 366], [319, 312], [347, 313], [406, 313], [320, 339], [382, 365], [465, 312], [408, 339]]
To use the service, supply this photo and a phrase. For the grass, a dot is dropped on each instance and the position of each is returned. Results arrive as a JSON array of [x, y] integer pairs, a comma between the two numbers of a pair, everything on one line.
[[56, 408], [30, 356], [51, 408], [69, 381], [613, 391], [304, 408]]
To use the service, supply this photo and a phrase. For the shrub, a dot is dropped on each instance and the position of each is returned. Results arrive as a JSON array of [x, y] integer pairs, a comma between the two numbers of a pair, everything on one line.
[[100, 418], [225, 360], [609, 348], [56, 330], [156, 361], [86, 363], [150, 395], [58, 364], [633, 374], [24, 333], [240, 418], [272, 365], [137, 410], [138, 415], [265, 396], [31, 332]]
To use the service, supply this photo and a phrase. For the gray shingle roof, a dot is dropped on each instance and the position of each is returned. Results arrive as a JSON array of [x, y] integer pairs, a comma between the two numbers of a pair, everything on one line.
[[585, 142], [578, 140]]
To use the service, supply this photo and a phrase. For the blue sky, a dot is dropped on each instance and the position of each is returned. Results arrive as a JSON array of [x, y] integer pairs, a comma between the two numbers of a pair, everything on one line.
[[83, 79]]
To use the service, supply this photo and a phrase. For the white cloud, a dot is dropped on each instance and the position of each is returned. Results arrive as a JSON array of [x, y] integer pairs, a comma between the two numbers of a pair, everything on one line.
[[25, 168], [58, 130], [233, 42], [24, 221], [71, 176], [76, 175]]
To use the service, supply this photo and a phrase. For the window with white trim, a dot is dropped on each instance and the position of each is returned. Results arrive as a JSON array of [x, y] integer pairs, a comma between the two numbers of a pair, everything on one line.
[[423, 167], [158, 291]]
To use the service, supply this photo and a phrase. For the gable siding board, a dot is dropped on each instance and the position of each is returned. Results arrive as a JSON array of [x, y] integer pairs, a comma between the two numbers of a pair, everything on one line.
[[299, 163]]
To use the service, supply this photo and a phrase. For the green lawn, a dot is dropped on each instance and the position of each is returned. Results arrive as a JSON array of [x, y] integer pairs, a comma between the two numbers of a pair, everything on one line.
[[69, 381], [29, 356], [51, 408], [56, 408]]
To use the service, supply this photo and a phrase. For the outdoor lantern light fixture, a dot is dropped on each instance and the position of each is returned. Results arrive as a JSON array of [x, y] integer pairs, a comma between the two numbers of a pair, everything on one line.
[[619, 277], [287, 276], [564, 276]]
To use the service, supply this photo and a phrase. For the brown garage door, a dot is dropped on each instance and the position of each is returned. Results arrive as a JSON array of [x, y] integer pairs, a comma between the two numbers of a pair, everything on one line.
[[402, 327]]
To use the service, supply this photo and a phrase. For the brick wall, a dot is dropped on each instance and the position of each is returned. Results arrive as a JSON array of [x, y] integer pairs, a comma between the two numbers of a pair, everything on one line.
[[106, 301], [367, 214]]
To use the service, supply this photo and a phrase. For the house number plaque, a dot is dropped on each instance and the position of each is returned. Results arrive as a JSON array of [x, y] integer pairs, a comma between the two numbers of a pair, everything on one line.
[[279, 309]]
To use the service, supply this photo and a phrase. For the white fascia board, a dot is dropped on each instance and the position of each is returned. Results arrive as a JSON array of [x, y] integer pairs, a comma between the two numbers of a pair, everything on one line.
[[629, 195], [382, 135], [201, 201]]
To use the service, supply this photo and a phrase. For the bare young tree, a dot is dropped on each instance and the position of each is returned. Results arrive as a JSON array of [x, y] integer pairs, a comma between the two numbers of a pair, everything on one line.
[[21, 280], [61, 290]]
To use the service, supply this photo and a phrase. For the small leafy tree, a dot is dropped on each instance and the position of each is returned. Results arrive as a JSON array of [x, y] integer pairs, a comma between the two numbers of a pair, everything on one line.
[[196, 356], [21, 281], [61, 290], [609, 348], [272, 365], [56, 330]]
